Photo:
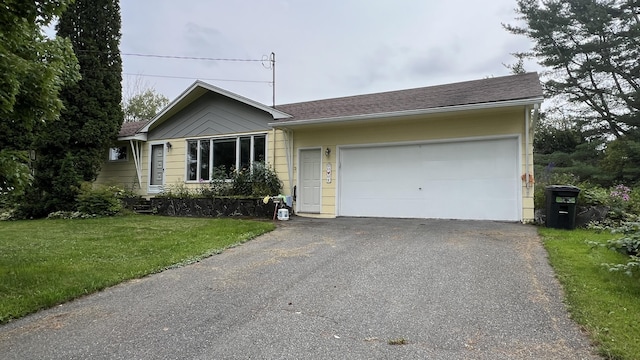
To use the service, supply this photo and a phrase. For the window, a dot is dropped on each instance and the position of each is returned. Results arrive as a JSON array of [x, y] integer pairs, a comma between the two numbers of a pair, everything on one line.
[[118, 153], [226, 154]]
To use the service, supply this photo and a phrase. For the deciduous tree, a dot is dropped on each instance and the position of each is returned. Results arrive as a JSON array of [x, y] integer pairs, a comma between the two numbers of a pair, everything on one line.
[[73, 149], [143, 106], [33, 69]]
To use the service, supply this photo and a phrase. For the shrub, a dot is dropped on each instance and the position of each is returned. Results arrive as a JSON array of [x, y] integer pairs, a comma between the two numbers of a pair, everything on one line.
[[103, 201], [265, 181], [593, 195], [176, 191], [242, 182], [219, 184], [628, 244], [259, 181]]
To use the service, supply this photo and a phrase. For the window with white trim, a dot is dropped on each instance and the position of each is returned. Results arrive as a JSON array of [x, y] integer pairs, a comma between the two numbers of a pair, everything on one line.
[[227, 154], [118, 154]]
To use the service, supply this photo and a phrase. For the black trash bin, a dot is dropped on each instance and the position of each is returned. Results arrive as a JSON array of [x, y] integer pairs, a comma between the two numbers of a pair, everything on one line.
[[561, 206]]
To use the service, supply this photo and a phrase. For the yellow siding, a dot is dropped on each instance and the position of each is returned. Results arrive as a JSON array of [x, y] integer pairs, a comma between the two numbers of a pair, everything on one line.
[[277, 151], [485, 123], [119, 173], [175, 162]]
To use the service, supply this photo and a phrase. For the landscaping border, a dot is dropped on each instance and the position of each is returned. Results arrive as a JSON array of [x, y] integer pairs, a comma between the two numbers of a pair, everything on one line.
[[213, 207]]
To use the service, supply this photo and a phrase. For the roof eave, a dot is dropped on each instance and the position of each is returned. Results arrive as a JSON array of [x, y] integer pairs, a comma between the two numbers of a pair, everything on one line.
[[138, 136], [436, 110]]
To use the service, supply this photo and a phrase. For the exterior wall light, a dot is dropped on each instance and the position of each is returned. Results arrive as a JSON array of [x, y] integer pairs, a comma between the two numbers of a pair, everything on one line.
[[327, 152]]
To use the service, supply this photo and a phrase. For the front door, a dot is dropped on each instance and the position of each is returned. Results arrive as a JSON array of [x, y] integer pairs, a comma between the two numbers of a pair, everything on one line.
[[156, 178], [310, 179]]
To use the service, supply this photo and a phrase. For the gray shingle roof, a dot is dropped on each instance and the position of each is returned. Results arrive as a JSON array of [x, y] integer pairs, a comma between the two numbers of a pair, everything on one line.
[[131, 128], [497, 89]]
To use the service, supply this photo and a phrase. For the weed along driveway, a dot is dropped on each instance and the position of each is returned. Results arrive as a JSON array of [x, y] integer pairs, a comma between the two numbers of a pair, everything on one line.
[[328, 289]]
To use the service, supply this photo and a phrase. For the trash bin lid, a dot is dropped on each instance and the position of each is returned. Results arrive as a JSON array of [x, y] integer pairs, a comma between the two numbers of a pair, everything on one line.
[[563, 188]]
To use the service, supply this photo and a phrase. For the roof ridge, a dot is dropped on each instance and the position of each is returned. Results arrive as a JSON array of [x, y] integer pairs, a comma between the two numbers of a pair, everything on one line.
[[446, 85]]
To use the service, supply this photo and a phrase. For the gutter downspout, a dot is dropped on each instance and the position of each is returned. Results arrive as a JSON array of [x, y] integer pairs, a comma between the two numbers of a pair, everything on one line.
[[530, 123], [273, 162], [527, 116], [289, 150]]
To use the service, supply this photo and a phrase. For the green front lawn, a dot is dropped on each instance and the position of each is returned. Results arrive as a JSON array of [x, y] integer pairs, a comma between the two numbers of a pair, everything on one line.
[[47, 262], [606, 304]]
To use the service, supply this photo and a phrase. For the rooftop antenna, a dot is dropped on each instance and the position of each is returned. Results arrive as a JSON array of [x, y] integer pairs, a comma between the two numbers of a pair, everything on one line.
[[271, 65]]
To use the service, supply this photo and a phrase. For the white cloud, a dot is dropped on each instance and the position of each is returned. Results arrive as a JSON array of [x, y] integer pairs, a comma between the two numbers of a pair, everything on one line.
[[323, 48]]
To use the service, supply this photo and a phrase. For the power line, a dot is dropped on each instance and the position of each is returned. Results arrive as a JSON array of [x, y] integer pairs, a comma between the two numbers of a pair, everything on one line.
[[179, 57], [189, 57], [194, 78]]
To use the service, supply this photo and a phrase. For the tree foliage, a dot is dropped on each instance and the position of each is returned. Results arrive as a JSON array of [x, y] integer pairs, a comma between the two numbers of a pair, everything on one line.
[[566, 150], [73, 149], [621, 161], [33, 69], [592, 51], [143, 106]]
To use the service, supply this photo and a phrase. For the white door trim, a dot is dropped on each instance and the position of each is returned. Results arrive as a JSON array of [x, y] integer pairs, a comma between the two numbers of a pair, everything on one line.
[[299, 180], [155, 189]]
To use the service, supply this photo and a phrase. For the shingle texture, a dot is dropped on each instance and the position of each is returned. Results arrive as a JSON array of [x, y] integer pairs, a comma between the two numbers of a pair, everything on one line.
[[131, 128], [514, 87]]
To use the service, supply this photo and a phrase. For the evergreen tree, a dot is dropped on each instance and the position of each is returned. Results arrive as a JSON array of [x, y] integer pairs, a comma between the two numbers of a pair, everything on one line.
[[73, 149], [592, 51]]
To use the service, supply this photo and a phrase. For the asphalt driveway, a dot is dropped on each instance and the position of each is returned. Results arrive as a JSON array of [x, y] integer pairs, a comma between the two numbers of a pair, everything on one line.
[[328, 289]]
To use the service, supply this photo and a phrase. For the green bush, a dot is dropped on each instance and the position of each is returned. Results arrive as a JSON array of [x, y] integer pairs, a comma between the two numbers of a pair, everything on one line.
[[102, 201], [628, 244], [177, 191], [219, 184], [265, 181], [261, 180], [242, 183]]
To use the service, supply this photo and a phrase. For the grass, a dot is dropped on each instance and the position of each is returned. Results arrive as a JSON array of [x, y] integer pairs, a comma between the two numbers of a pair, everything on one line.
[[48, 262], [606, 304]]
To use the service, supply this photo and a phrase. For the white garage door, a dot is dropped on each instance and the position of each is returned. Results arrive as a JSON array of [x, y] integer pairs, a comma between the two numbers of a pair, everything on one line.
[[454, 180]]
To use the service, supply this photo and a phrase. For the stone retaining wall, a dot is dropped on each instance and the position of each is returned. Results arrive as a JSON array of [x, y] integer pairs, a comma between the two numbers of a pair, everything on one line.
[[213, 207]]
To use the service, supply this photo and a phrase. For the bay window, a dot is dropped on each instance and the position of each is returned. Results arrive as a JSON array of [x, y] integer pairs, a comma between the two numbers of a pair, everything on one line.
[[225, 154]]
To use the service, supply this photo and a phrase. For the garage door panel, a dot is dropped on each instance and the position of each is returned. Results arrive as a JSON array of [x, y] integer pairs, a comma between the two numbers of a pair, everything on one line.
[[459, 180], [373, 190], [373, 207]]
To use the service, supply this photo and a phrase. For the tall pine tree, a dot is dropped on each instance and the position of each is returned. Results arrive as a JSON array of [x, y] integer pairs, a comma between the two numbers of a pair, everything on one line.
[[592, 51], [73, 149]]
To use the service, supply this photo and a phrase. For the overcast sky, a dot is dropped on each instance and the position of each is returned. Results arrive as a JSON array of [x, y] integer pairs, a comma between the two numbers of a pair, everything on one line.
[[324, 49]]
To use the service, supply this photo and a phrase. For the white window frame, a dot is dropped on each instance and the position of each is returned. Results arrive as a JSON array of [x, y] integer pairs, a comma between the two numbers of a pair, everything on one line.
[[114, 150], [218, 138]]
